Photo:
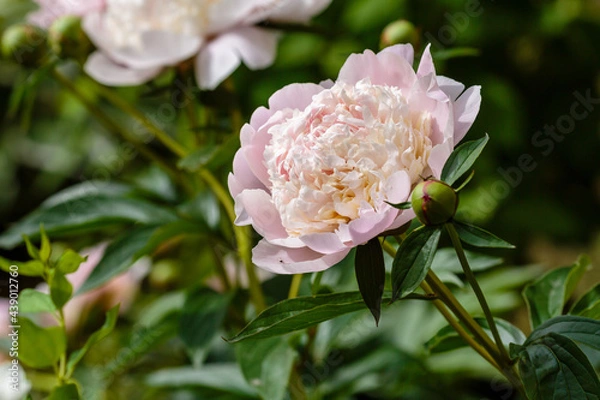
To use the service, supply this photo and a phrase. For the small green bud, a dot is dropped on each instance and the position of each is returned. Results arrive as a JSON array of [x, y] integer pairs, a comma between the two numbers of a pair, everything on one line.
[[68, 40], [397, 32], [434, 202], [25, 44]]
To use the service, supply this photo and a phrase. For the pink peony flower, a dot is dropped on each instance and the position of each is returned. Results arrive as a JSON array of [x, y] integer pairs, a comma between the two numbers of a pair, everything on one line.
[[316, 168], [137, 39]]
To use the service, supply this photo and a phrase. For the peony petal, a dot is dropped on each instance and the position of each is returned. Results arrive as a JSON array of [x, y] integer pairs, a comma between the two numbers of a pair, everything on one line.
[[282, 260], [385, 68], [452, 88], [242, 176], [397, 187], [295, 96], [256, 207], [403, 218], [105, 71], [466, 109], [324, 242], [371, 224], [297, 10], [426, 66], [438, 157], [403, 50], [157, 48]]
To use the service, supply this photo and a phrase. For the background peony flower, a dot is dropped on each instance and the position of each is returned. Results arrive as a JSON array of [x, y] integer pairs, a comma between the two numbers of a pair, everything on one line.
[[50, 10], [316, 168], [137, 39], [120, 290]]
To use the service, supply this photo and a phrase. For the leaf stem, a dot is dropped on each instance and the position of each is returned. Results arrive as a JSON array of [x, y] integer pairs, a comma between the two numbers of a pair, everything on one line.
[[127, 108], [455, 239], [295, 286]]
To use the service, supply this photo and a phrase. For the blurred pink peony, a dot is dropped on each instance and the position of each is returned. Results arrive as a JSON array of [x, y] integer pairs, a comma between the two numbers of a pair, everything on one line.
[[120, 290], [316, 168], [137, 39], [52, 9]]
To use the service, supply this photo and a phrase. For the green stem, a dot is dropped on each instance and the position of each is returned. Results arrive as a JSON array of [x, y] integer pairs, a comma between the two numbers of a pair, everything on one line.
[[295, 286], [62, 366], [477, 289], [242, 236], [111, 126], [316, 284], [127, 108]]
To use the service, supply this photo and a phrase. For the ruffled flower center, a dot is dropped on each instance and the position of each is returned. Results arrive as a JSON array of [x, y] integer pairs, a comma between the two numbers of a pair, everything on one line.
[[331, 161]]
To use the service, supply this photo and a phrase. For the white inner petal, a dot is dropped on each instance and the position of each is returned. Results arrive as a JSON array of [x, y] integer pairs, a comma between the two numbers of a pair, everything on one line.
[[332, 160], [126, 20]]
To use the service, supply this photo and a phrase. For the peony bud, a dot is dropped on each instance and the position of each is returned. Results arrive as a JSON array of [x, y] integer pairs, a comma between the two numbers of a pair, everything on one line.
[[398, 32], [26, 44], [68, 40], [434, 202]]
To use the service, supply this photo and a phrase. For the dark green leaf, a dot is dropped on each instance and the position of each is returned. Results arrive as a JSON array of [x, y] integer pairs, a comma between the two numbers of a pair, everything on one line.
[[30, 268], [40, 347], [105, 330], [65, 392], [552, 367], [462, 159], [69, 262], [579, 329], [201, 318], [60, 289], [401, 206], [299, 313], [478, 237], [85, 213], [225, 377], [447, 339], [445, 260], [266, 365], [413, 260], [370, 275], [33, 301], [589, 304], [546, 297], [119, 256]]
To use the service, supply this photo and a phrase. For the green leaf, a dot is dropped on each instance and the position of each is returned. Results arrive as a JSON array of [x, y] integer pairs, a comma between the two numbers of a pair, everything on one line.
[[445, 260], [85, 213], [462, 159], [370, 275], [401, 206], [447, 339], [30, 268], [552, 367], [546, 297], [69, 262], [413, 260], [32, 251], [266, 365], [105, 330], [45, 248], [60, 289], [589, 304], [33, 301], [65, 392], [201, 318], [579, 329], [121, 254], [40, 347], [299, 313], [197, 159], [225, 377], [478, 237]]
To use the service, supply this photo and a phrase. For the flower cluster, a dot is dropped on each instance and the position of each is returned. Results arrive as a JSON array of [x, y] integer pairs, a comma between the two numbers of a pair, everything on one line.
[[317, 169], [136, 40]]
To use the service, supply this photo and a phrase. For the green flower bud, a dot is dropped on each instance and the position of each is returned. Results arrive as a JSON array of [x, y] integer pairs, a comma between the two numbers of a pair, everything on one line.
[[68, 40], [401, 31], [434, 202], [25, 44]]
